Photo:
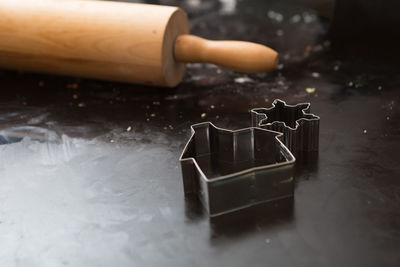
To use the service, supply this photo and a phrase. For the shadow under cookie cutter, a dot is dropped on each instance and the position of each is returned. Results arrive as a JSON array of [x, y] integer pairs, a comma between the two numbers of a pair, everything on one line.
[[231, 170], [300, 128]]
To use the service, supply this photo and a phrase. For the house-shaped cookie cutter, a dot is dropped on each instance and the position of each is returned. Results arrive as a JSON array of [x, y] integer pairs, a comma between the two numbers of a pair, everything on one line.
[[231, 170], [299, 127]]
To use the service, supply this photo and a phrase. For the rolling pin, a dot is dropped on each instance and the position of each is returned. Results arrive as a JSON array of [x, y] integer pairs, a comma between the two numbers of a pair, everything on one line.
[[126, 42]]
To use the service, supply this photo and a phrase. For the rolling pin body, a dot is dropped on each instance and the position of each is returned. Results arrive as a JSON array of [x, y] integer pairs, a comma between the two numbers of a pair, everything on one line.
[[127, 42], [96, 39]]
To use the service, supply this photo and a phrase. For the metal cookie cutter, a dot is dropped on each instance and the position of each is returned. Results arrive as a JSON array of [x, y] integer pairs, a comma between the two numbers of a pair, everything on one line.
[[231, 170], [299, 127]]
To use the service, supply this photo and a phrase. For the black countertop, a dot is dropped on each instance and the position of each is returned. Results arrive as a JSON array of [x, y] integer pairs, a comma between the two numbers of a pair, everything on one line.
[[97, 182]]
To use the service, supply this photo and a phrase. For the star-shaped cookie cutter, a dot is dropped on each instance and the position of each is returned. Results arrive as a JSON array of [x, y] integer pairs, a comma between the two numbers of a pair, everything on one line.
[[231, 170], [300, 128]]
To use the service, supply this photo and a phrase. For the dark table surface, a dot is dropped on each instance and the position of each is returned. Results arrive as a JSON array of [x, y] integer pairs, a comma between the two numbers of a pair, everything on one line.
[[96, 181]]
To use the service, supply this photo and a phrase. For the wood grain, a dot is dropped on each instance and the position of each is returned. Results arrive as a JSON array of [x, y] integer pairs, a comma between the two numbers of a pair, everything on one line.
[[137, 43], [97, 39], [236, 55]]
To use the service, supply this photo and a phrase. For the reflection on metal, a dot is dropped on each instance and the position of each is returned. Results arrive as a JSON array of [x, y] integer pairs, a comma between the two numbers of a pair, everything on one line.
[[300, 128], [232, 170]]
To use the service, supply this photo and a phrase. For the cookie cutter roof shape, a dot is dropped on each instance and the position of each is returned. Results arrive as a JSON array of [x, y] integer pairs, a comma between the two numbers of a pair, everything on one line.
[[299, 127], [231, 170]]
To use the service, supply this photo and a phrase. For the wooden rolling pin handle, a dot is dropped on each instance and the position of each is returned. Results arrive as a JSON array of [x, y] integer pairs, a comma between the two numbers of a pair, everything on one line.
[[236, 55]]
